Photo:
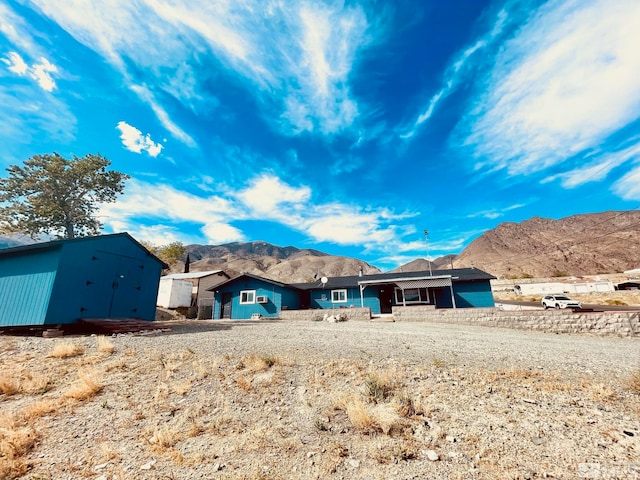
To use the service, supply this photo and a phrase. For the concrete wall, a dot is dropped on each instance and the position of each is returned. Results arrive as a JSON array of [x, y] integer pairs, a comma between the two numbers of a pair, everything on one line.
[[318, 314], [625, 324]]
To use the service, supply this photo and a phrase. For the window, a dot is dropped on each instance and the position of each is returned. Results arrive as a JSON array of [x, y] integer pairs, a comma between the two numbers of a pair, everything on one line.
[[339, 296], [247, 296], [412, 295]]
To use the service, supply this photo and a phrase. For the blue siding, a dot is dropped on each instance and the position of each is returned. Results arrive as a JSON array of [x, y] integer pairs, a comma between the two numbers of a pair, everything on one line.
[[322, 299], [277, 297], [110, 276], [473, 294], [25, 288]]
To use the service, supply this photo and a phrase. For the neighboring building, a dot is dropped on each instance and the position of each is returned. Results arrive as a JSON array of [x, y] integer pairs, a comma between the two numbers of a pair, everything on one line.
[[544, 288], [62, 281], [242, 297], [174, 293], [201, 293], [248, 295]]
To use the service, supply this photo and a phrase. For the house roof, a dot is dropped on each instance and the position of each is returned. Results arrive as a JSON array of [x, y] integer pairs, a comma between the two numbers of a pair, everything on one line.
[[456, 275], [190, 275], [249, 275], [40, 246]]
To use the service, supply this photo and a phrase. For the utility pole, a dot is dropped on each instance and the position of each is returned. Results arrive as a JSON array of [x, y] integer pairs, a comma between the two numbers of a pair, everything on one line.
[[426, 238]]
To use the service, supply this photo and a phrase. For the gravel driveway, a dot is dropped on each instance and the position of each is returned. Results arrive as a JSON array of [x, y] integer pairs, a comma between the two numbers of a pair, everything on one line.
[[314, 400]]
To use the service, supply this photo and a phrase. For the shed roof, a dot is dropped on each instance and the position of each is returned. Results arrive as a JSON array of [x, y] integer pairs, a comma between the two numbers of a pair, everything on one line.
[[190, 275], [53, 244]]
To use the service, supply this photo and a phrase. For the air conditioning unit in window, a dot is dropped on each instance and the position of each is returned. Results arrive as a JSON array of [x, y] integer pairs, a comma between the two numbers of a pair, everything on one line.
[[262, 299]]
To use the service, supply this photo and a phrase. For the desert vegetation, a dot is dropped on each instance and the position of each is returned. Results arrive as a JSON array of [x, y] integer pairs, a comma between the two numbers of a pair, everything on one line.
[[91, 406]]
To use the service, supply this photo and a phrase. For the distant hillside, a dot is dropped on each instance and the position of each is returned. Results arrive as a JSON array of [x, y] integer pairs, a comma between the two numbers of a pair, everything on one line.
[[586, 244], [285, 264], [14, 240]]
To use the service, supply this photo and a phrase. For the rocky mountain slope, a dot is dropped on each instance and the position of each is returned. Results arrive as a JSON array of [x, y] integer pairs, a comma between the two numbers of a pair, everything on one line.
[[284, 264], [586, 244]]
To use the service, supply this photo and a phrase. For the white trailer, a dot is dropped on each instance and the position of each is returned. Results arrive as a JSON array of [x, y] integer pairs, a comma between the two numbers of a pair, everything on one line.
[[174, 293]]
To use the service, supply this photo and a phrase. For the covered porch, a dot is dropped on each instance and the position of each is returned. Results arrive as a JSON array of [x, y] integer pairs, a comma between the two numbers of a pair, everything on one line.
[[427, 290]]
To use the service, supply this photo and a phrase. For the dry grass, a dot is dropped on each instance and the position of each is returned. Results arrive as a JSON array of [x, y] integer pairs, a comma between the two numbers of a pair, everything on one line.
[[67, 349], [104, 344], [633, 383], [86, 387]]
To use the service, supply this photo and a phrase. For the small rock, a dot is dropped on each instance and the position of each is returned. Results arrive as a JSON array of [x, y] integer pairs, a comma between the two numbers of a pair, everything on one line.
[[148, 465], [628, 433], [102, 477], [432, 455], [354, 463], [100, 467], [451, 439], [538, 440]]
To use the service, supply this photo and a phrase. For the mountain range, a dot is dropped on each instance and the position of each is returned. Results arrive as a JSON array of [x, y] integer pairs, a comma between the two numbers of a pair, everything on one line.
[[586, 244]]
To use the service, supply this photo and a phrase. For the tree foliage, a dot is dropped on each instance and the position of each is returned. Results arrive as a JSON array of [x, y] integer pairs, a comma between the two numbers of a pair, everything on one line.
[[53, 195], [170, 253]]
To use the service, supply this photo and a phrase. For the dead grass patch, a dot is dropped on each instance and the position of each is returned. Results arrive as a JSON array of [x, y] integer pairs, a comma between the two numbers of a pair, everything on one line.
[[87, 385], [67, 349], [379, 386], [255, 363], [39, 408], [105, 345], [9, 385], [633, 383], [15, 442]]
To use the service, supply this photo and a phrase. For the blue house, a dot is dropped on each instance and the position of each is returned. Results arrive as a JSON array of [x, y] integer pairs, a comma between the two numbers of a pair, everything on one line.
[[62, 281], [246, 295]]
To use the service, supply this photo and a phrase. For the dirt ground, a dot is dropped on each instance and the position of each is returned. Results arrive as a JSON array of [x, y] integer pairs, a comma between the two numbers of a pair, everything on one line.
[[353, 400]]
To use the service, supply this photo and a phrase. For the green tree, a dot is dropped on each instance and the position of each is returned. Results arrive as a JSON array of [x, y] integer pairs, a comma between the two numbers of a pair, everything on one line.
[[53, 195], [170, 253]]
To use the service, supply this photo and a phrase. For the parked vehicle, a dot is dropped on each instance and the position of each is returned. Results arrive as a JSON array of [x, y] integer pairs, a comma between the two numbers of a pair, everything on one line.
[[559, 301]]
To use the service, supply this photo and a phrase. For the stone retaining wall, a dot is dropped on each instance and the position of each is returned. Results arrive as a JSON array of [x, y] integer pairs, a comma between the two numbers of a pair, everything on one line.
[[318, 314], [624, 324]]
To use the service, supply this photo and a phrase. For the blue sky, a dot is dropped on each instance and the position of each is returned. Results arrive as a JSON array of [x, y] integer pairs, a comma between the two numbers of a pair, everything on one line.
[[346, 126]]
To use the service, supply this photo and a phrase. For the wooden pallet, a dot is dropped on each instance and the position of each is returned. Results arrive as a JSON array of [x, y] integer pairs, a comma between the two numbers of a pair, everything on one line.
[[108, 326]]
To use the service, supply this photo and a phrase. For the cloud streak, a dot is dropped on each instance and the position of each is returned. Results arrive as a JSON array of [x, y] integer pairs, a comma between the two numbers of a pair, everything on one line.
[[134, 141], [42, 71], [562, 86], [266, 198], [312, 47]]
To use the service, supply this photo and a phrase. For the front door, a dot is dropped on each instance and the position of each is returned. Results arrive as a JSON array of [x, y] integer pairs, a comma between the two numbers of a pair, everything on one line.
[[225, 305], [385, 294]]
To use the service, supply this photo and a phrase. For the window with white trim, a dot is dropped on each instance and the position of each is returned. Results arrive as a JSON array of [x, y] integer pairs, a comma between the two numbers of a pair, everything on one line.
[[339, 296], [412, 295], [247, 296]]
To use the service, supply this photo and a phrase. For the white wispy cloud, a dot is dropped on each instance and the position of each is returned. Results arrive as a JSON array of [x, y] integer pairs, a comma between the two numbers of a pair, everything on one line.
[[454, 74], [598, 168], [494, 213], [563, 85], [628, 187], [135, 141], [266, 198], [42, 71], [160, 206], [299, 55], [15, 63]]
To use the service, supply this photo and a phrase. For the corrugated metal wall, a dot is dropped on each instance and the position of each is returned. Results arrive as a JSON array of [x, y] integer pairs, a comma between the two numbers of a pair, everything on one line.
[[25, 288]]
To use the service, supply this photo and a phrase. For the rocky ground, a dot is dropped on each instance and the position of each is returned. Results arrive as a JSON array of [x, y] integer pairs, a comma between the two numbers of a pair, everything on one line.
[[364, 400]]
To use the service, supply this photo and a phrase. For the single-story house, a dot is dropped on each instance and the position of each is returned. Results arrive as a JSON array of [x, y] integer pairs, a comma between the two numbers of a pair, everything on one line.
[[248, 295], [62, 281]]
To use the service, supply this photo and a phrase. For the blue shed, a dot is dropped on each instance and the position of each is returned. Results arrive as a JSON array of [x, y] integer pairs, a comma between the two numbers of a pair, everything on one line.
[[62, 281], [247, 295]]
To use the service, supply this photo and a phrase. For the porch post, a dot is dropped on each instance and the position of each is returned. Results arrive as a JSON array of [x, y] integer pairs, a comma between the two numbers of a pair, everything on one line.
[[362, 287], [453, 297]]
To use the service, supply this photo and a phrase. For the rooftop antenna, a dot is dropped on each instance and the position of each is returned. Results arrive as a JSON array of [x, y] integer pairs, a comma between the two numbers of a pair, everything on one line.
[[426, 238]]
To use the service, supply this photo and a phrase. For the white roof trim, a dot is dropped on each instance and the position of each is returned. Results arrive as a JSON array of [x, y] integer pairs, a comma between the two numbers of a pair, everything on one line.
[[193, 275], [405, 279]]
